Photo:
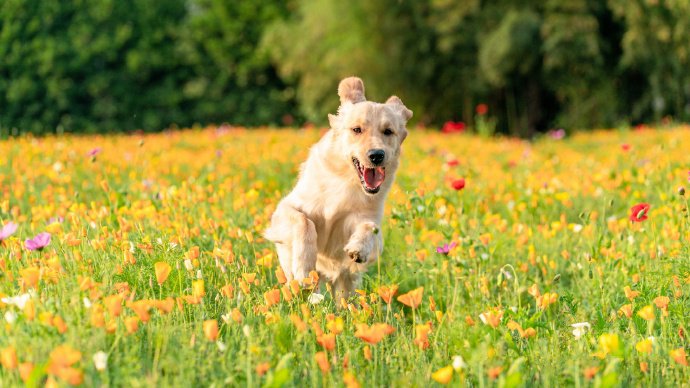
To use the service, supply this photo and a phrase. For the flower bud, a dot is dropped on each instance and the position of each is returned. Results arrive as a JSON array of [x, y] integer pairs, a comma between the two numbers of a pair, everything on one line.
[[681, 190]]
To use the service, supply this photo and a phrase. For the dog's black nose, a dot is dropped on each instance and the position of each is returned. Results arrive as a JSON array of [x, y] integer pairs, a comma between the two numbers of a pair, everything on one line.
[[376, 156]]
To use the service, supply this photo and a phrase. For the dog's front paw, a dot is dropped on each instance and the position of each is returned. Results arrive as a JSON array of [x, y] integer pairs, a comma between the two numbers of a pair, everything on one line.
[[357, 252]]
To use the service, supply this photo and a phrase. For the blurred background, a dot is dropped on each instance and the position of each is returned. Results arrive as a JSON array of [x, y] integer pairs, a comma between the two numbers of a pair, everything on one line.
[[516, 67]]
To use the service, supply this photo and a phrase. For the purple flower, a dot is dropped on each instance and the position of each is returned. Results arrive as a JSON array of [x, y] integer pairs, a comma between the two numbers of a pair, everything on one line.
[[38, 243], [7, 230], [94, 152], [445, 249]]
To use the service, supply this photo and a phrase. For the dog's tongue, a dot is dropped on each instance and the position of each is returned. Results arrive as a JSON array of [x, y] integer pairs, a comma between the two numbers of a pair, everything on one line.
[[373, 177]]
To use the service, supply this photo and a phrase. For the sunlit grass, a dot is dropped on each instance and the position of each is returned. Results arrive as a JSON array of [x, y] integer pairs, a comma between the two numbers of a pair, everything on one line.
[[156, 272]]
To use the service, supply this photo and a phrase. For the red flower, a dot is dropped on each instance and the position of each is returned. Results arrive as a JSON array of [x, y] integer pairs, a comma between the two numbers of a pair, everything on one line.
[[458, 184], [626, 147], [482, 109], [453, 127], [453, 163], [639, 212]]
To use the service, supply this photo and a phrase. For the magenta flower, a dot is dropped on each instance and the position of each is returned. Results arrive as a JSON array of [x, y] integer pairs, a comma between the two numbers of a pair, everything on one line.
[[38, 243], [7, 230], [94, 152], [445, 249]]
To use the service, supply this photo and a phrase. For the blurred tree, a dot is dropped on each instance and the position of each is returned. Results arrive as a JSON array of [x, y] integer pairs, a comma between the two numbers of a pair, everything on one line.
[[327, 40], [656, 43], [136, 64], [229, 78]]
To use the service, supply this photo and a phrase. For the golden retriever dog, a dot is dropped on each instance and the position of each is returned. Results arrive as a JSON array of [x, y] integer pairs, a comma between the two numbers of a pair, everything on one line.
[[330, 222]]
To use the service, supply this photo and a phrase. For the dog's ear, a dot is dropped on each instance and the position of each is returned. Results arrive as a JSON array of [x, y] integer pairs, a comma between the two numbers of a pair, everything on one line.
[[397, 105], [351, 90]]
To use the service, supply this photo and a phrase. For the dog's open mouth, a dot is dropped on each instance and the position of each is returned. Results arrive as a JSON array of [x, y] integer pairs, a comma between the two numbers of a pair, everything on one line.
[[371, 178]]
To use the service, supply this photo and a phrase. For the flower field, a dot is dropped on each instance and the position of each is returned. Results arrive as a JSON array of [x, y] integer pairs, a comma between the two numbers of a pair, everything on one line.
[[138, 260]]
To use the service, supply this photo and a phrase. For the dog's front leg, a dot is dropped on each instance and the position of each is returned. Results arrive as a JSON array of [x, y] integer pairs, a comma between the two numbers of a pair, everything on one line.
[[365, 244]]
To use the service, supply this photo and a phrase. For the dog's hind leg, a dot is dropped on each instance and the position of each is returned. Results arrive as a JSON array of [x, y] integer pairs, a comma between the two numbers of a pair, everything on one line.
[[295, 238], [304, 248]]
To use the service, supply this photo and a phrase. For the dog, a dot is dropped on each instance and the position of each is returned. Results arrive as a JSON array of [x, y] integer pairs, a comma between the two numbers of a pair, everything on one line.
[[330, 222]]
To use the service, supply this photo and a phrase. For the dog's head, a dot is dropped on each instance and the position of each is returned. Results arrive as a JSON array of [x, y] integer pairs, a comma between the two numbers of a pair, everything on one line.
[[369, 134]]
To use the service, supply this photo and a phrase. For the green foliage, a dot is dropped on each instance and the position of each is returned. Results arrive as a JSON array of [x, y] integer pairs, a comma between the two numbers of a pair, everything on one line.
[[135, 64]]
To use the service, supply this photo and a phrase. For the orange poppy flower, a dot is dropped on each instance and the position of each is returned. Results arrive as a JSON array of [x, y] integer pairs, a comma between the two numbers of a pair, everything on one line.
[[131, 324], [211, 329], [141, 309], [422, 335], [30, 277], [387, 292], [630, 294], [625, 310], [679, 356], [113, 304], [327, 341], [8, 357], [162, 270], [373, 334], [280, 275], [322, 360], [412, 298], [272, 297]]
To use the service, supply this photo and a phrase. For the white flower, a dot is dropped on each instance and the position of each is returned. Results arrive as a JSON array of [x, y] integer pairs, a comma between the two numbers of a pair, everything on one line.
[[458, 363], [580, 328], [19, 300], [10, 317], [188, 265], [87, 302], [315, 298], [483, 318], [577, 228], [198, 274], [225, 318], [245, 330], [221, 346], [100, 360]]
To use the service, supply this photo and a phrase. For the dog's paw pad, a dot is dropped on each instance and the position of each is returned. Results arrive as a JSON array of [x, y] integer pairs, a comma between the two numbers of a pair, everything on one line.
[[355, 256]]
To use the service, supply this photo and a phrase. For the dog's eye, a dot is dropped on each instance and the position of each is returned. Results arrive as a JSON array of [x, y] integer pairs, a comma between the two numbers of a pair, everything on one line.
[[387, 131], [357, 130]]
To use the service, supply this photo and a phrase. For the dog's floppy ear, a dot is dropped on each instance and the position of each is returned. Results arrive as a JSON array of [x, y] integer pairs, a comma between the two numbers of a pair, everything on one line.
[[397, 104], [351, 90]]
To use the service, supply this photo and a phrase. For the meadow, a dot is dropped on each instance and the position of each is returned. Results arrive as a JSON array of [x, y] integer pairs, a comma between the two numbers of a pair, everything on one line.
[[138, 260]]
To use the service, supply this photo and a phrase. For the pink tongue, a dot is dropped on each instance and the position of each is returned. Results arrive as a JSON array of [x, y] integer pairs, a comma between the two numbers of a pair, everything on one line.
[[373, 177]]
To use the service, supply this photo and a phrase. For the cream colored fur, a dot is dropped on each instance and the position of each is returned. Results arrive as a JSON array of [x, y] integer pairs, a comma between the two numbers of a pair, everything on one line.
[[328, 221]]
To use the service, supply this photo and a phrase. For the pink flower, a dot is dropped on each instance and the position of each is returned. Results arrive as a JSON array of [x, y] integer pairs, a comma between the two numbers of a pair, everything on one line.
[[445, 249], [626, 147], [38, 243], [453, 127], [557, 134], [94, 152], [7, 230]]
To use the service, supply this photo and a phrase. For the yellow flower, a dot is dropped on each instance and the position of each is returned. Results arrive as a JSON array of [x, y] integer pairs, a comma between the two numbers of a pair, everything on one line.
[[443, 375], [644, 346], [646, 312]]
